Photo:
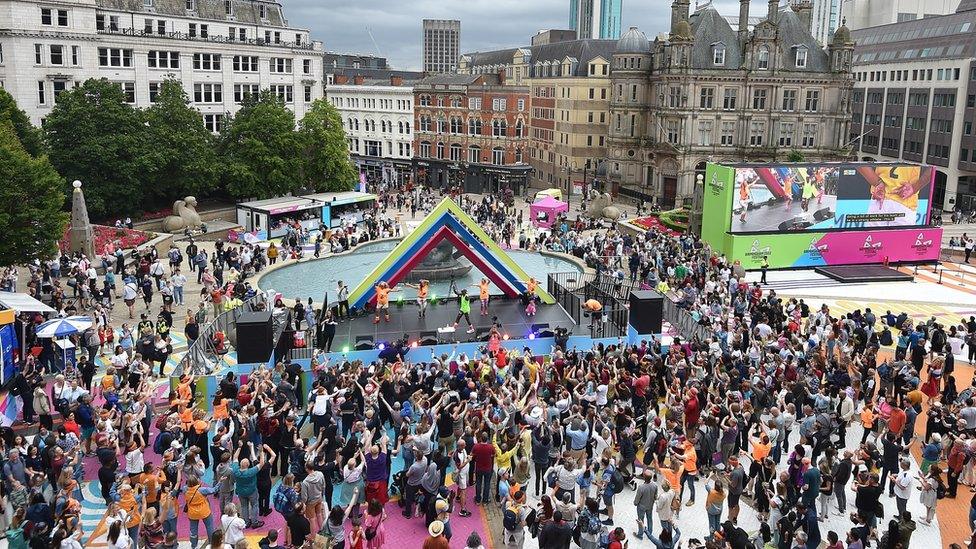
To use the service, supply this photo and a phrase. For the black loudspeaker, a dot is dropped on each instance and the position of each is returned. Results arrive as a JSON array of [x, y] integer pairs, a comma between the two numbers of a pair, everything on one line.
[[428, 338], [538, 328], [481, 334], [646, 311], [254, 337], [364, 343]]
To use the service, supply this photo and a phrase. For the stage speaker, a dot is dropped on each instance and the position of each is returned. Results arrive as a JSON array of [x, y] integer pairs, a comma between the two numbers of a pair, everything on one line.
[[823, 214], [646, 311], [481, 334], [255, 336], [364, 343], [537, 328], [546, 332], [428, 338]]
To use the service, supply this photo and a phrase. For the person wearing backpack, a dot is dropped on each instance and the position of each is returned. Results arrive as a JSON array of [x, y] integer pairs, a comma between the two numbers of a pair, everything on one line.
[[284, 501], [513, 521], [588, 526], [611, 483]]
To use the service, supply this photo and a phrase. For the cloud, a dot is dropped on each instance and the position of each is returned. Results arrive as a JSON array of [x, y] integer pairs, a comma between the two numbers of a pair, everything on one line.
[[396, 25]]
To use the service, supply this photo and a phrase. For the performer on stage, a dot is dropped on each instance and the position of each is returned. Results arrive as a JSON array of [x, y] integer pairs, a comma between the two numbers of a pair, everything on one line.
[[423, 288], [483, 294], [464, 307], [383, 300]]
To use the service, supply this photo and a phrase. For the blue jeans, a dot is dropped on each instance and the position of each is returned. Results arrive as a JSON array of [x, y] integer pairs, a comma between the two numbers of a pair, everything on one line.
[[690, 481], [249, 507], [178, 295], [482, 486], [195, 530], [714, 523], [169, 525], [644, 518]]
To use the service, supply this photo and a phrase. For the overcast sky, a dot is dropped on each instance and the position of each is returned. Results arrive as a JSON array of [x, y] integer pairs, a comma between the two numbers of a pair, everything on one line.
[[485, 24]]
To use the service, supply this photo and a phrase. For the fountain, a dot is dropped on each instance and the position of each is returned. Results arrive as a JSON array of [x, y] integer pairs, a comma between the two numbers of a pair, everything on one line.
[[444, 262]]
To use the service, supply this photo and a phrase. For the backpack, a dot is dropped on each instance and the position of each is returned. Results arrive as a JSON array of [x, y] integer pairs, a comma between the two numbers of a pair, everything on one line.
[[591, 524], [940, 491], [283, 502], [511, 519], [162, 442], [885, 338], [617, 481]]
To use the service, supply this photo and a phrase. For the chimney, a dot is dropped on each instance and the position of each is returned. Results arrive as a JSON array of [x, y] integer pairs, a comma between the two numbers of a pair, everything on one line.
[[341, 79], [773, 15], [396, 80], [358, 79], [743, 21], [501, 77], [804, 11]]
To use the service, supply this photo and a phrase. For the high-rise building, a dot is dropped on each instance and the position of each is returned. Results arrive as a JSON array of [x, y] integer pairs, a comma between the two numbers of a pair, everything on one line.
[[442, 45], [915, 99], [220, 51], [595, 18], [706, 92], [824, 17], [869, 13]]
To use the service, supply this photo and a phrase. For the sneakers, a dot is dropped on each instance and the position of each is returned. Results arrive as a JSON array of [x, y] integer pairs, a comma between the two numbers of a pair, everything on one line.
[[690, 503], [470, 329], [376, 320]]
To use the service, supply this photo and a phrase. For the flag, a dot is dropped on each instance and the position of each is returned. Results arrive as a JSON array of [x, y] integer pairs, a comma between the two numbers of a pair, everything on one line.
[[9, 408]]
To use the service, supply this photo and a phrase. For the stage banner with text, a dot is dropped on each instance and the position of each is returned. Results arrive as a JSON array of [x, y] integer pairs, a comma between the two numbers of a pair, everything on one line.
[[813, 249]]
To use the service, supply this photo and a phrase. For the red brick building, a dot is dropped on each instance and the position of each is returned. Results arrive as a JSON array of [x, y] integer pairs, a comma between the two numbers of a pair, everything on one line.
[[472, 131]]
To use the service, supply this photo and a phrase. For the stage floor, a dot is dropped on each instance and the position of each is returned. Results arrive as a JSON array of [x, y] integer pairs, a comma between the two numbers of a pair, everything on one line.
[[404, 320], [863, 273]]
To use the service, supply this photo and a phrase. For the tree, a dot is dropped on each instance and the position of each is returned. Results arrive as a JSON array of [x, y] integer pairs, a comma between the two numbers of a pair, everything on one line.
[[33, 221], [182, 154], [29, 136], [795, 156], [96, 137], [325, 160], [261, 149]]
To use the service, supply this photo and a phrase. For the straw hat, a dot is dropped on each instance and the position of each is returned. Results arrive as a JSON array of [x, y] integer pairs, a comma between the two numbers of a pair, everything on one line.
[[436, 528]]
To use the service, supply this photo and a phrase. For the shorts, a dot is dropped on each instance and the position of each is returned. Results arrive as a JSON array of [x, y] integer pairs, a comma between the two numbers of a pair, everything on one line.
[[130, 302], [608, 497], [461, 479], [87, 432], [734, 500], [313, 509], [383, 306]]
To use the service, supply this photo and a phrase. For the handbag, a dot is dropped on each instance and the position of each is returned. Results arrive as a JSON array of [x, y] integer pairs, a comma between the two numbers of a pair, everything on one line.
[[186, 505]]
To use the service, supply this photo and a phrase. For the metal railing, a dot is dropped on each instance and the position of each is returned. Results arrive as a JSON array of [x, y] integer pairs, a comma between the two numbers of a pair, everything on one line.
[[202, 356], [682, 322], [571, 290]]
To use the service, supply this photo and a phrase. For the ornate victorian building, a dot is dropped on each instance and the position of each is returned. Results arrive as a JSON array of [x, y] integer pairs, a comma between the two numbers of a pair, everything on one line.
[[705, 92]]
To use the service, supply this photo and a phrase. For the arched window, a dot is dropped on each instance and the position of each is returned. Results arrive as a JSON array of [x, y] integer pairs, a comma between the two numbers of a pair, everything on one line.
[[440, 150], [457, 126], [442, 125], [424, 123], [400, 127], [425, 149], [762, 61], [519, 128], [474, 154], [498, 155], [518, 155], [455, 152], [474, 126]]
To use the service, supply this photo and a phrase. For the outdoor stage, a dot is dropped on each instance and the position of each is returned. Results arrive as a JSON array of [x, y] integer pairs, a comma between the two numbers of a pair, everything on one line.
[[404, 321], [863, 273]]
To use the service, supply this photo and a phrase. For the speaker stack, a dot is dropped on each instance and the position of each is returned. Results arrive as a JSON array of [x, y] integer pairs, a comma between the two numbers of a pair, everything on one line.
[[254, 337], [646, 311]]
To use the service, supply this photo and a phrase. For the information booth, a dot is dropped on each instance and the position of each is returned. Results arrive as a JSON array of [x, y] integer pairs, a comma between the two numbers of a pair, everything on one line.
[[346, 206], [269, 218]]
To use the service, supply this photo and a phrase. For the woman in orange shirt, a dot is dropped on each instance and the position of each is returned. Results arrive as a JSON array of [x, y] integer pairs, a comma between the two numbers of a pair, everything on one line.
[[483, 295], [423, 288], [383, 300]]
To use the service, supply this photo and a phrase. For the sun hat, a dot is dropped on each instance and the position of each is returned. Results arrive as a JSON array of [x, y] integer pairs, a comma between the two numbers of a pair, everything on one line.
[[436, 528]]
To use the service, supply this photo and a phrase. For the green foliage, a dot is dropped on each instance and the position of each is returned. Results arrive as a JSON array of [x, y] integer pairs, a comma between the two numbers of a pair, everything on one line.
[[261, 149], [34, 221], [29, 136], [676, 219], [184, 161], [795, 156], [325, 161], [96, 137]]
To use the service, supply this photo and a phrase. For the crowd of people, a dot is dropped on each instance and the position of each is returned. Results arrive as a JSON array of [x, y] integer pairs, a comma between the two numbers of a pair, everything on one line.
[[799, 413]]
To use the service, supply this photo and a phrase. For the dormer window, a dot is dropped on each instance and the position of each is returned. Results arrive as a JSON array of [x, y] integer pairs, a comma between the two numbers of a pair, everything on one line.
[[718, 54], [762, 61], [801, 57]]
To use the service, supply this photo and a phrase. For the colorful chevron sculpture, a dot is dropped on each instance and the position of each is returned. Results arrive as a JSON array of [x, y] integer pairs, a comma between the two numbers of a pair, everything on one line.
[[447, 220]]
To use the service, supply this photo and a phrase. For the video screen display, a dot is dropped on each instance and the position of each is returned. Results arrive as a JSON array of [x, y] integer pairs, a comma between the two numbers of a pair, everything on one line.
[[823, 197]]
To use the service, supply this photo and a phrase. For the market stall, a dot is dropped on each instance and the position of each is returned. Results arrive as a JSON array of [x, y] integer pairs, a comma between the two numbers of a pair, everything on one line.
[[269, 219], [14, 337], [545, 211], [347, 207]]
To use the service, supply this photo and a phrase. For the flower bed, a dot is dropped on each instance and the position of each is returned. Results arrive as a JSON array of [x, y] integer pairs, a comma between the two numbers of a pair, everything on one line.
[[109, 238], [656, 223]]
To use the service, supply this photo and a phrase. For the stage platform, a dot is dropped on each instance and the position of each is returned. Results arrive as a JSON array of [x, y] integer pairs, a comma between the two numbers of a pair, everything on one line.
[[863, 273], [404, 320]]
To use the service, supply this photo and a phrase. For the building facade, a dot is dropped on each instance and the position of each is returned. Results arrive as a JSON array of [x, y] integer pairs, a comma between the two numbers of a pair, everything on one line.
[[442, 45], [596, 18], [825, 17], [707, 93], [861, 14], [378, 118], [915, 99], [569, 84], [469, 131], [221, 51]]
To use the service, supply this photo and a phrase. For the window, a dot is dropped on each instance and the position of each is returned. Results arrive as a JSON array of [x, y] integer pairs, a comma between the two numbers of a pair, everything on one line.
[[99, 22], [424, 124], [47, 17], [789, 100], [281, 65], [57, 54], [762, 60], [306, 66], [440, 150], [191, 5], [154, 91], [728, 102], [75, 55], [759, 99], [498, 155], [521, 104], [707, 98], [308, 94], [38, 54], [114, 57], [129, 89], [813, 101], [228, 7], [944, 100], [718, 55], [673, 135], [474, 126], [455, 153], [474, 154], [242, 91], [705, 132], [63, 22], [285, 93], [164, 59], [41, 98], [809, 136], [519, 129], [757, 130], [424, 100], [206, 61], [801, 58], [674, 97], [918, 99], [457, 125], [263, 11], [498, 104], [235, 33], [245, 63], [474, 103], [786, 134], [148, 3], [499, 128], [208, 93], [728, 133]]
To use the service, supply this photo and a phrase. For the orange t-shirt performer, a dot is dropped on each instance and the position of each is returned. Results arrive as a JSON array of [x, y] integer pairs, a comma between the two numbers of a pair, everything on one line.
[[383, 301], [483, 294]]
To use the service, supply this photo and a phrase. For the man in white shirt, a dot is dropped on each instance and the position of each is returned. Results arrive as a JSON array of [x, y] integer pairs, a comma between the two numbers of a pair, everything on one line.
[[178, 280], [903, 486]]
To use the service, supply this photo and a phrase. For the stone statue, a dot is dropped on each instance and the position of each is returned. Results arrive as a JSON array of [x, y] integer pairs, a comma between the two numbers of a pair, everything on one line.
[[184, 216], [600, 206]]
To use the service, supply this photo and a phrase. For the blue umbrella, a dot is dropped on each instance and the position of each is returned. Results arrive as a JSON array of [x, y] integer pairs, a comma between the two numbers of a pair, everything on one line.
[[63, 327]]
